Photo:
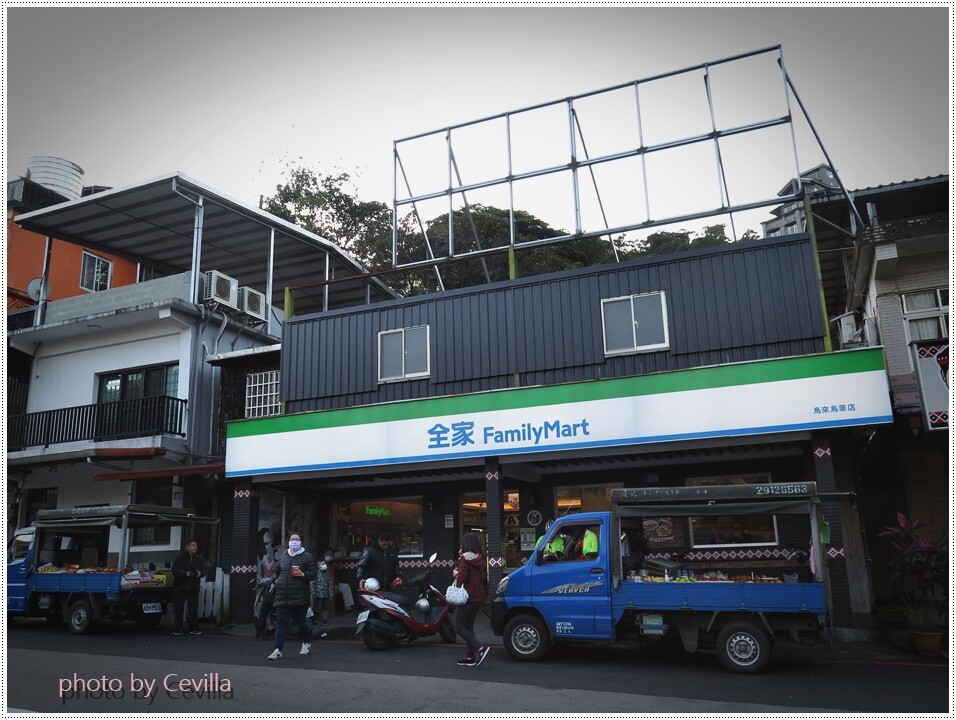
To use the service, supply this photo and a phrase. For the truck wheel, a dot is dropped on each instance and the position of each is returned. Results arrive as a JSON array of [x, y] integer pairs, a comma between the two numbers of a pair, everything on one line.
[[743, 648], [80, 619], [447, 630], [526, 638]]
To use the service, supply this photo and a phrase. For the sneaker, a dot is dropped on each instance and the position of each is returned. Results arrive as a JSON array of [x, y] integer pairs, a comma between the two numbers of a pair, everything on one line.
[[194, 632], [305, 649], [324, 633], [276, 655], [482, 654], [177, 633], [467, 662]]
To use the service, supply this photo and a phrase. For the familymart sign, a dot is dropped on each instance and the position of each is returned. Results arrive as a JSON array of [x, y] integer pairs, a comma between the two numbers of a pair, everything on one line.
[[805, 393]]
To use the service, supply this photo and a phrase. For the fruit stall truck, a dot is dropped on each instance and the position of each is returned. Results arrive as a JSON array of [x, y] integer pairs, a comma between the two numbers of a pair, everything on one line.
[[564, 596], [60, 567]]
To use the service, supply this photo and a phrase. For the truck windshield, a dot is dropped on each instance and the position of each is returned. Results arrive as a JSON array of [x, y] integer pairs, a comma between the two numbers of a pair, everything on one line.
[[20, 545]]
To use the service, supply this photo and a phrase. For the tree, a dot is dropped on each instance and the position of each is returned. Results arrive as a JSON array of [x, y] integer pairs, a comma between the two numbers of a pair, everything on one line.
[[481, 227], [327, 204]]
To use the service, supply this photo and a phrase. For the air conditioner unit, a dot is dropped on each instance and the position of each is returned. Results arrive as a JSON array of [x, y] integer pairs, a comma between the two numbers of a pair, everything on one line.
[[851, 334], [220, 288], [252, 302]]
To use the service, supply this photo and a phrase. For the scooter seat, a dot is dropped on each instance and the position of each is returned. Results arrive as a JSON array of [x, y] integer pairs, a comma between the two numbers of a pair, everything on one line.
[[403, 600]]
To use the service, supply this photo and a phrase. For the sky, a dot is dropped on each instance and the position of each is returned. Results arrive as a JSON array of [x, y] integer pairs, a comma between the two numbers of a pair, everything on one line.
[[235, 97]]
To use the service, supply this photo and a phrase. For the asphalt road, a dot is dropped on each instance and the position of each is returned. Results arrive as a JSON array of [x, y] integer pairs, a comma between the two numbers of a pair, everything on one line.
[[228, 674]]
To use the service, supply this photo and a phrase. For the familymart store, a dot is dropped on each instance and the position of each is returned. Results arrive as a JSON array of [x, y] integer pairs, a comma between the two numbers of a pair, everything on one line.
[[505, 463]]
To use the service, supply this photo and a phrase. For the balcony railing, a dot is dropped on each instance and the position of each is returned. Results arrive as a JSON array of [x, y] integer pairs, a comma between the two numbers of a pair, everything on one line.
[[141, 417], [914, 227]]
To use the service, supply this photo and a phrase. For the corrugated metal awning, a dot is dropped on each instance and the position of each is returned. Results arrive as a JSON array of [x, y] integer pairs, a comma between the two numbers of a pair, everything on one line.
[[152, 223]]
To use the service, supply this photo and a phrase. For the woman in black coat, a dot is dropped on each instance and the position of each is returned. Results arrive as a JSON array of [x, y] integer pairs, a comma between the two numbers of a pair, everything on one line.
[[294, 572]]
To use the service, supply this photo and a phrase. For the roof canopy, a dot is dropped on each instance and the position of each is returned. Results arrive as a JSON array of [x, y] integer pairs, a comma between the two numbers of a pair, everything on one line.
[[153, 223]]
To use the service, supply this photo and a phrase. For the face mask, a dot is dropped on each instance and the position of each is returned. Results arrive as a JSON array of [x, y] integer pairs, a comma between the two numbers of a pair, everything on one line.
[[328, 558], [323, 567], [295, 545]]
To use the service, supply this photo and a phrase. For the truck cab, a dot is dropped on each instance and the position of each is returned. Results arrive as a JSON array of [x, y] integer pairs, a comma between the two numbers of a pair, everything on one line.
[[21, 555]]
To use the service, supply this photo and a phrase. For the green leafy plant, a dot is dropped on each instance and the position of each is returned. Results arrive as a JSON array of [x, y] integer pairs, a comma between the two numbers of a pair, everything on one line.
[[920, 566]]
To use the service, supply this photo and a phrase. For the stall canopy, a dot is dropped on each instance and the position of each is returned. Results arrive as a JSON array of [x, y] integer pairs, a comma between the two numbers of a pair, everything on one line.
[[758, 499], [137, 515]]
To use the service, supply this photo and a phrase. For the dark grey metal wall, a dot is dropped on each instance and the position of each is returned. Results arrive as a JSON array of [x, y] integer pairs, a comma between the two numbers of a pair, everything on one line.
[[746, 301]]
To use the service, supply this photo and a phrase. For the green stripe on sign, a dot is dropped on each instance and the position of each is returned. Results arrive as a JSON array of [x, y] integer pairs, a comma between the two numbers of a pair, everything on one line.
[[748, 373]]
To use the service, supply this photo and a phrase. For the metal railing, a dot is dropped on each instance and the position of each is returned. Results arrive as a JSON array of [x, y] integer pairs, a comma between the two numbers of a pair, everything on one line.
[[914, 227], [141, 417]]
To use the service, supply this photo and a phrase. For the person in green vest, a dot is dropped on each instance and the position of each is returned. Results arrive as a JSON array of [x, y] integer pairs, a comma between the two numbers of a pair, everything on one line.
[[554, 547], [589, 547]]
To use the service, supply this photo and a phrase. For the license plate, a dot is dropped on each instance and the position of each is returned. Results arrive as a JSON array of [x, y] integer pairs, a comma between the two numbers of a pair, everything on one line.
[[363, 616], [149, 608]]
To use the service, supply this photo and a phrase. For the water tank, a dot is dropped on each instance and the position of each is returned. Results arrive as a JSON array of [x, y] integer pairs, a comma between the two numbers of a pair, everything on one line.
[[57, 174]]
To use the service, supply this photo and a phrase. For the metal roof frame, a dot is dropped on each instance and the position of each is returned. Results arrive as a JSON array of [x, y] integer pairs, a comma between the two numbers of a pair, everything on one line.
[[158, 222]]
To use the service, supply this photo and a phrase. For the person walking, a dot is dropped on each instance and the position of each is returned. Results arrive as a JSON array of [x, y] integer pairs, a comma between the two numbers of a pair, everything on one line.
[[470, 574], [188, 569], [294, 572], [379, 561]]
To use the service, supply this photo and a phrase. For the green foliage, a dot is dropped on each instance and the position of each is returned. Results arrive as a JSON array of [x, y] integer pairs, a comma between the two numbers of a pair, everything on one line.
[[481, 227], [921, 571]]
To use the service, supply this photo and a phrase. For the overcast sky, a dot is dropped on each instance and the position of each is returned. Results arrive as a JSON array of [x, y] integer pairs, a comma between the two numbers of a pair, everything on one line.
[[230, 97]]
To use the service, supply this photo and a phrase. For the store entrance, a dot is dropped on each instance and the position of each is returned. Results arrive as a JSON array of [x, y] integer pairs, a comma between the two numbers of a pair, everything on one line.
[[474, 518]]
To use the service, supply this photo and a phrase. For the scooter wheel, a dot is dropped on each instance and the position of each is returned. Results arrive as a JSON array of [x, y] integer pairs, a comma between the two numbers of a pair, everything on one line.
[[447, 630], [373, 639]]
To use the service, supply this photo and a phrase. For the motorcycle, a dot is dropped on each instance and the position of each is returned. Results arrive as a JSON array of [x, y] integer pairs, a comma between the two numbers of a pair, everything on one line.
[[410, 609], [263, 608]]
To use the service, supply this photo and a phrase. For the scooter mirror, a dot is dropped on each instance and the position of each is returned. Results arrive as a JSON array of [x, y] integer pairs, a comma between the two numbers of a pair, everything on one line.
[[433, 558]]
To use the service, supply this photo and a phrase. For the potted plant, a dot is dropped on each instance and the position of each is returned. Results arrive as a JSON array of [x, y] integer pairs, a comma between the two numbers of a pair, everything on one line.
[[920, 567]]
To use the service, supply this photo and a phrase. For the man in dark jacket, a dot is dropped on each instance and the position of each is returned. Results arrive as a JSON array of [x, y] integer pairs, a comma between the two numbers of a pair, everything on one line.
[[379, 561], [188, 569], [294, 573]]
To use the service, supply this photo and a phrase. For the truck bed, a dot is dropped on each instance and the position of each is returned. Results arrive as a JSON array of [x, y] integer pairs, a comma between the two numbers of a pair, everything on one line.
[[722, 596], [108, 583]]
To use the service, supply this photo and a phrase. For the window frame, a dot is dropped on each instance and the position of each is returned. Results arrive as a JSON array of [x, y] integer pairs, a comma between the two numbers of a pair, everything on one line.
[[262, 394], [940, 313], [635, 348], [97, 259], [406, 375], [123, 375]]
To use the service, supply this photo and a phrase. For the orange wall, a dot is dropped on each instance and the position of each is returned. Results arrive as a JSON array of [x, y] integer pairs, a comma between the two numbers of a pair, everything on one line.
[[25, 262]]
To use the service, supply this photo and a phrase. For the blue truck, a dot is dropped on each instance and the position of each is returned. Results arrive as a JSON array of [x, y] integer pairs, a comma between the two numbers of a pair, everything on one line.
[[59, 567], [569, 592]]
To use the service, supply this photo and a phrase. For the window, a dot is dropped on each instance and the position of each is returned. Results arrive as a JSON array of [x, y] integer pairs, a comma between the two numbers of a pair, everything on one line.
[[635, 323], [20, 545], [732, 530], [403, 354], [153, 492], [95, 272], [926, 314], [139, 382], [40, 499], [262, 394], [572, 542], [359, 523]]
